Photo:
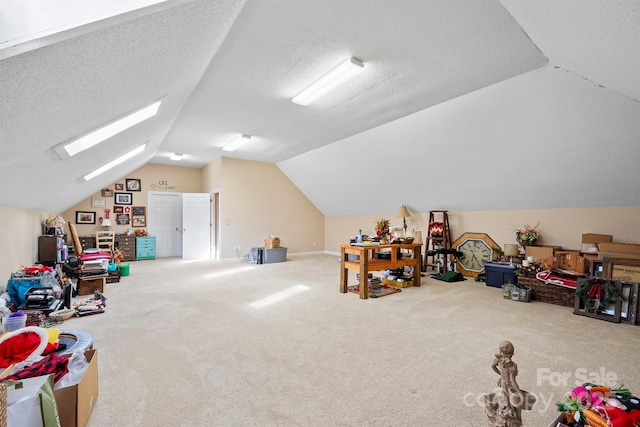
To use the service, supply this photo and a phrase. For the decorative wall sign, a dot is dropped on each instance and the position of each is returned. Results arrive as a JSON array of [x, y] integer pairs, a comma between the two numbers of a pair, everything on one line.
[[107, 193], [163, 185], [118, 209], [83, 217], [133, 185], [123, 199], [122, 219]]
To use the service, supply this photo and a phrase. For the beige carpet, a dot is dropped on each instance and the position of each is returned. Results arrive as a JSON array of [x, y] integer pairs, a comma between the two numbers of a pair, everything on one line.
[[204, 343]]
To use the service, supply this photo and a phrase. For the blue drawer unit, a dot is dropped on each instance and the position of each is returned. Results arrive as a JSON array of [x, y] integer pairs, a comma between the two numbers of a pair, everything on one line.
[[145, 248]]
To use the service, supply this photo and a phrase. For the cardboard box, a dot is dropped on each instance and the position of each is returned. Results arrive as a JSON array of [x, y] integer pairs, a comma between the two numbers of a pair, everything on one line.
[[571, 260], [88, 285], [591, 241], [596, 238], [272, 242], [76, 402], [626, 273], [619, 250], [540, 253], [397, 283]]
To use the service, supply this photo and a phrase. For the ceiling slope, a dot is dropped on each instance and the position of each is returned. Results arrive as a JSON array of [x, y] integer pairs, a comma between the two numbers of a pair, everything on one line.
[[458, 107], [66, 89], [416, 54], [563, 136]]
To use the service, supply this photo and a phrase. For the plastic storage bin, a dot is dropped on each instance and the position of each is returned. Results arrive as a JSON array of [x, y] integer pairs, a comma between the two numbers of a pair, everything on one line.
[[498, 273], [11, 323], [274, 255], [256, 254]]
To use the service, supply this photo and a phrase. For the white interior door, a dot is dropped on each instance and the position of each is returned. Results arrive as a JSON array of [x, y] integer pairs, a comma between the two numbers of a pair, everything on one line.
[[196, 226], [164, 219]]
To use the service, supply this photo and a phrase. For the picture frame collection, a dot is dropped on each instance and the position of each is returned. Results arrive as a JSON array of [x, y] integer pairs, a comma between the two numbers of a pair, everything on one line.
[[124, 211]]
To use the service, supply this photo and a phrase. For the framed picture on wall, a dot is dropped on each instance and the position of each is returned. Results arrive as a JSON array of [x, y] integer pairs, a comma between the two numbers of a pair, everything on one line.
[[123, 199], [118, 209], [83, 217], [133, 185], [138, 210], [139, 221], [98, 203], [120, 187], [107, 193]]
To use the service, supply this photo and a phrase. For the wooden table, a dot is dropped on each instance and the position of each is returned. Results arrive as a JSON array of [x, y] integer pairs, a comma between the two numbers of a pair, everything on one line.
[[369, 262]]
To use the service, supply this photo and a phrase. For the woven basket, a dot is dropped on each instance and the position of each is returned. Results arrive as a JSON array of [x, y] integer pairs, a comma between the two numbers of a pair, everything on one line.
[[551, 294], [3, 405]]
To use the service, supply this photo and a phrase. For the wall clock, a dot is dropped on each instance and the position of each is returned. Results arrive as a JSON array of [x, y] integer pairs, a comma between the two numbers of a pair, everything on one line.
[[476, 249]]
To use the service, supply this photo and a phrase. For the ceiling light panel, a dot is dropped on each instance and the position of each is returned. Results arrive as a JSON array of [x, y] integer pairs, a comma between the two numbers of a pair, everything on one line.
[[330, 81], [237, 142]]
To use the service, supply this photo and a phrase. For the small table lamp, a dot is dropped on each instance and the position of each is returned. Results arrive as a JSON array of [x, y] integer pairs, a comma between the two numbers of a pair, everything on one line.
[[511, 250], [404, 213], [106, 222]]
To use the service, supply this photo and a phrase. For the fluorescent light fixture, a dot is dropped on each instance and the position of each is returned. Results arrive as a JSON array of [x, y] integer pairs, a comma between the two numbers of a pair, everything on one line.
[[330, 81], [113, 163], [176, 156], [237, 142], [66, 150]]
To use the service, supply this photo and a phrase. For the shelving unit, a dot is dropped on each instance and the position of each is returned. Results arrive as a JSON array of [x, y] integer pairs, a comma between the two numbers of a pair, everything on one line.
[[438, 238], [50, 249]]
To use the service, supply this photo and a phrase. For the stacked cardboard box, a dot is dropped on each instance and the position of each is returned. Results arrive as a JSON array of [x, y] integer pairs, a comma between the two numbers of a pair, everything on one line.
[[76, 402]]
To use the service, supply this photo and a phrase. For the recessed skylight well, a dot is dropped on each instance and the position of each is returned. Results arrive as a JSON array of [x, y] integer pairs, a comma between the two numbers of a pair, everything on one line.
[[329, 81], [113, 163], [68, 149]]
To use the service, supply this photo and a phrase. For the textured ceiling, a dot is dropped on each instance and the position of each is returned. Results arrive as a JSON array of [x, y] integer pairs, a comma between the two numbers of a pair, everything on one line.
[[463, 105]]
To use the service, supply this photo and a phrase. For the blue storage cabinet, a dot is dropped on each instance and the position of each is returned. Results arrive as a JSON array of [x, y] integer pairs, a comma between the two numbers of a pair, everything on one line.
[[145, 248]]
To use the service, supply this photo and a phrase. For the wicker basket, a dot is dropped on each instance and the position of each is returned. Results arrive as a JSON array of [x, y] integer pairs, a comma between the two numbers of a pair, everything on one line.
[[551, 294]]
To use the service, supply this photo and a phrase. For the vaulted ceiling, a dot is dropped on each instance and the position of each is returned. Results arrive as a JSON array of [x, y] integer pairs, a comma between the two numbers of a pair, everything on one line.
[[463, 104]]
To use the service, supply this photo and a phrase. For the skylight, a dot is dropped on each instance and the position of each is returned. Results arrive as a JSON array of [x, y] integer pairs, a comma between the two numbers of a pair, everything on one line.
[[24, 22]]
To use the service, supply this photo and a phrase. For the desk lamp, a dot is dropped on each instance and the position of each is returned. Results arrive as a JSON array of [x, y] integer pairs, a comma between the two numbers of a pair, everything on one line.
[[511, 250], [106, 222], [404, 213]]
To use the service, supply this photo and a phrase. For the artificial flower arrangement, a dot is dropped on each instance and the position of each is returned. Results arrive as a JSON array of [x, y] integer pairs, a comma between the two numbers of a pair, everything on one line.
[[527, 235], [600, 406], [382, 228], [54, 221]]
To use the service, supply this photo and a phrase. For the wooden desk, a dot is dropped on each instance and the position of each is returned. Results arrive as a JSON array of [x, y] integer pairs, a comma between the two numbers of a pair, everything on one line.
[[368, 262]]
